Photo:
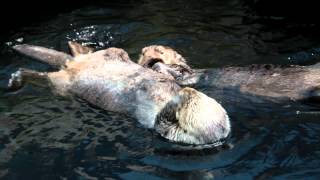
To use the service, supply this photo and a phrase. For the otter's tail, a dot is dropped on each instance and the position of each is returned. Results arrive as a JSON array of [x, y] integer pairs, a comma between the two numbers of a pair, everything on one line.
[[52, 57]]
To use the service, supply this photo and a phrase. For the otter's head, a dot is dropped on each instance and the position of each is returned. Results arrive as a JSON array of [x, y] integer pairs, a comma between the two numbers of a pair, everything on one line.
[[164, 60], [156, 53], [194, 118]]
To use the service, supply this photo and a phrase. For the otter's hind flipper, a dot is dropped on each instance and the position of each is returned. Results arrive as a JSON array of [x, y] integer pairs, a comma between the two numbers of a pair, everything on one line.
[[22, 76], [52, 57], [78, 49]]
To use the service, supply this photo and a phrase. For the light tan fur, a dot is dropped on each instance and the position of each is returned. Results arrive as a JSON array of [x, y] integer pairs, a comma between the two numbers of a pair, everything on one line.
[[77, 49], [188, 113], [193, 117], [162, 53]]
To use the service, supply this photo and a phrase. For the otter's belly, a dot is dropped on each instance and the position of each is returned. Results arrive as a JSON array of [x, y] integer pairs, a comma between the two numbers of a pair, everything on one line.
[[125, 89]]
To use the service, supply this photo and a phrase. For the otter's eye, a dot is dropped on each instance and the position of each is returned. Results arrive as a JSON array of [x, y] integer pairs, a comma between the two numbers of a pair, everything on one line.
[[185, 131]]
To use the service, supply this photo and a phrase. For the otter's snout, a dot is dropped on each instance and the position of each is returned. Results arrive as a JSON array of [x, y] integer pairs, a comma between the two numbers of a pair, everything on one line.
[[193, 118]]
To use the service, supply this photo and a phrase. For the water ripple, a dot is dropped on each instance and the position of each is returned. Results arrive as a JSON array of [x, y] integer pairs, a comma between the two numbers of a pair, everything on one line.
[[43, 135]]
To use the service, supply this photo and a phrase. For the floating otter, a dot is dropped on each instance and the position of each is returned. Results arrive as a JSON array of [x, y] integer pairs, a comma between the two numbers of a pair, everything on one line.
[[110, 80], [274, 82]]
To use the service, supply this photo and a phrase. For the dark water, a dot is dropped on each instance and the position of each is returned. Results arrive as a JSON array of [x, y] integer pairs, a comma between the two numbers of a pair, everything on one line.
[[44, 136]]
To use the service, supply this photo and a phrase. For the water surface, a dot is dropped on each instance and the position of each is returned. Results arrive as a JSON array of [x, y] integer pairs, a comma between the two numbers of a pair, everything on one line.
[[44, 136]]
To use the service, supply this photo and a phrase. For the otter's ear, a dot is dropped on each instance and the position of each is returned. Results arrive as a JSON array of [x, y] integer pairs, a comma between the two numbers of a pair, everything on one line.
[[77, 49]]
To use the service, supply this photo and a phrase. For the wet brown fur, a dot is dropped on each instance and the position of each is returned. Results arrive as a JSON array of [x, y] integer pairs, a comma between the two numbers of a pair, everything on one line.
[[293, 82]]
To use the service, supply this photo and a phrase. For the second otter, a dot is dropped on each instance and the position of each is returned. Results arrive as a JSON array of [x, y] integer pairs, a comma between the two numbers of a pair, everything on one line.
[[269, 81]]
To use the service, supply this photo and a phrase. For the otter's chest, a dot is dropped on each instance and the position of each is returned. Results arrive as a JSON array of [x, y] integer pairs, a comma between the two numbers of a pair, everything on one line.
[[126, 88]]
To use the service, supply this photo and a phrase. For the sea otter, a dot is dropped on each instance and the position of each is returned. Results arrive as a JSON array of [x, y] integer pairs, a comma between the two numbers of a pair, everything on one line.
[[110, 80], [266, 80]]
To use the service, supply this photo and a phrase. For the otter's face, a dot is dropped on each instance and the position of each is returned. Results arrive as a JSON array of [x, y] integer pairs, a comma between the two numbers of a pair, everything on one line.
[[193, 118], [165, 60], [153, 54]]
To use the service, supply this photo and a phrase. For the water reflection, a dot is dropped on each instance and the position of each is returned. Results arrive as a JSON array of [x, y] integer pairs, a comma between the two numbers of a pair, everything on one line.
[[43, 135]]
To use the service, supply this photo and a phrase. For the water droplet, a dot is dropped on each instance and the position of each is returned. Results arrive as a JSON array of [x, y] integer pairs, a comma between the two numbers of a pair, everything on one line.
[[9, 43], [101, 44], [20, 40]]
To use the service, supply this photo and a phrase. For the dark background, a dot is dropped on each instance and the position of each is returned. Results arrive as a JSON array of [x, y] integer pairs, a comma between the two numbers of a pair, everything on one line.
[[15, 14]]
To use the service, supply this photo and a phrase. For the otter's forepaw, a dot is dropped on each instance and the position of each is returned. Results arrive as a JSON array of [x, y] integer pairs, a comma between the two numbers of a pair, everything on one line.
[[16, 80], [187, 80]]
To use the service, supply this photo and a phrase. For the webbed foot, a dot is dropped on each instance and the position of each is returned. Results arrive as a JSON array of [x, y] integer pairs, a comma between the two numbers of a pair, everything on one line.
[[16, 80], [22, 76]]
